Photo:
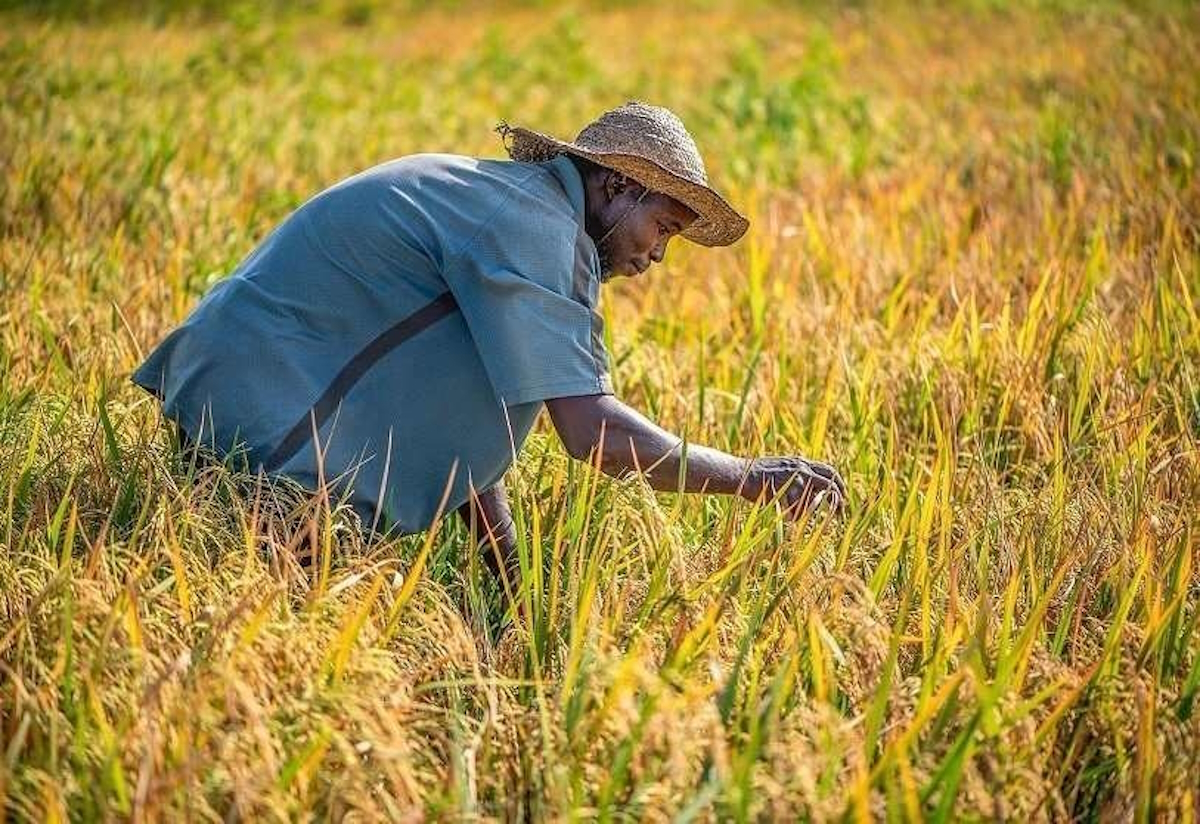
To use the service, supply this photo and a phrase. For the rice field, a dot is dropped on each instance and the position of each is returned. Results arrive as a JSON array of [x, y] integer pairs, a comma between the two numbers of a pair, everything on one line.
[[971, 282]]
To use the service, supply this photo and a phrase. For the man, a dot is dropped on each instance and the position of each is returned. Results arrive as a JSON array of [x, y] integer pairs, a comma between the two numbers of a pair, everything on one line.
[[397, 335]]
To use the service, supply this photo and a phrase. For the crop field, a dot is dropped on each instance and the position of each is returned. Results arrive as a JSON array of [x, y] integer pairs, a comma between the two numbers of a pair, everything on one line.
[[971, 282]]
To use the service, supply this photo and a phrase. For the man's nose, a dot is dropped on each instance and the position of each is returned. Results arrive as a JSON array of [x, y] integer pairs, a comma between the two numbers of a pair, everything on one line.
[[658, 252]]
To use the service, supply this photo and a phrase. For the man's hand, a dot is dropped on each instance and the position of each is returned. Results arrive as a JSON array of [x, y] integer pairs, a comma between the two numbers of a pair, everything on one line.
[[806, 484], [488, 517]]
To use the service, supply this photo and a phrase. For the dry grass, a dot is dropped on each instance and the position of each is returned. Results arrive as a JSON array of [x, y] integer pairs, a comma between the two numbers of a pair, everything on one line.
[[972, 282]]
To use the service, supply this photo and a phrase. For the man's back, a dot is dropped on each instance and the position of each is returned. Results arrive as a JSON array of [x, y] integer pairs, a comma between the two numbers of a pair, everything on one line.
[[417, 313]]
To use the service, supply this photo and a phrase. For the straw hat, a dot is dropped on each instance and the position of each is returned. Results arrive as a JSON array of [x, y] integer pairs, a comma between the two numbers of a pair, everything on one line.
[[650, 145]]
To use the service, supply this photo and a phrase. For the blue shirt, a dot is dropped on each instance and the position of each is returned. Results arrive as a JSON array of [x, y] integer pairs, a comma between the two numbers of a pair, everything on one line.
[[416, 314]]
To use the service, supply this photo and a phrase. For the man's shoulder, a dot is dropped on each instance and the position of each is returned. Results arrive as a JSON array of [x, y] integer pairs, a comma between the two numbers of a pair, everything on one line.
[[458, 177], [426, 167], [484, 176], [524, 207]]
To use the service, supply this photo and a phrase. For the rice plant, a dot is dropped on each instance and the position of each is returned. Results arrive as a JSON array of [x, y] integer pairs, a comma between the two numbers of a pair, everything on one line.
[[972, 282]]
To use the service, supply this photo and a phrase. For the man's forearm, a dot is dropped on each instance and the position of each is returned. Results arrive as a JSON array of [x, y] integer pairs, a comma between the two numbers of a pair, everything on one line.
[[601, 429], [633, 443]]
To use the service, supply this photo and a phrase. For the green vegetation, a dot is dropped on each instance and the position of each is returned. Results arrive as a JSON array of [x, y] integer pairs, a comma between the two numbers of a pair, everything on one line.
[[972, 282]]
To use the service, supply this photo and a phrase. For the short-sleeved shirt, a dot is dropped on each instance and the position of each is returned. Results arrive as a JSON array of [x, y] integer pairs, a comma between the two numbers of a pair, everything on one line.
[[417, 314]]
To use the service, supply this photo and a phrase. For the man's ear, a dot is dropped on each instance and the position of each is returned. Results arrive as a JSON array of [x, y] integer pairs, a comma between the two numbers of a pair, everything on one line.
[[616, 183]]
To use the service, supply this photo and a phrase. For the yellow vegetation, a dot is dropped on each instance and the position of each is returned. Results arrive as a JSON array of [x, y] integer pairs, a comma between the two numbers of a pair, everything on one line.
[[972, 282]]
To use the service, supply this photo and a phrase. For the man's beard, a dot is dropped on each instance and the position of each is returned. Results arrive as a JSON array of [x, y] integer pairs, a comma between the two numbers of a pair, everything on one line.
[[604, 252]]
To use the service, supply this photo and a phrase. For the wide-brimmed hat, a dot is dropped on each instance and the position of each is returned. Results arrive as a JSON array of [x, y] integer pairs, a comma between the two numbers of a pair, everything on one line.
[[650, 145]]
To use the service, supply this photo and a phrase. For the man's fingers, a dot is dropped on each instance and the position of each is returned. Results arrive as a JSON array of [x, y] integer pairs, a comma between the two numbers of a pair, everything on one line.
[[829, 475], [814, 490], [822, 469], [827, 471], [806, 492], [812, 500], [833, 498], [841, 484]]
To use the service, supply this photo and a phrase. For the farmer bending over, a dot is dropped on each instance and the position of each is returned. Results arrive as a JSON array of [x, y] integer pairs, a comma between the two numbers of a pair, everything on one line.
[[417, 315]]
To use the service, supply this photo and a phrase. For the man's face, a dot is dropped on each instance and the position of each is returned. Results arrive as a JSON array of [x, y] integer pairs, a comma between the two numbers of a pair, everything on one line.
[[640, 229]]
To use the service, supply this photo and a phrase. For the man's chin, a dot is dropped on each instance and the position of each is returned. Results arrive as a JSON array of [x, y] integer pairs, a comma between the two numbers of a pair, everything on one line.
[[626, 271]]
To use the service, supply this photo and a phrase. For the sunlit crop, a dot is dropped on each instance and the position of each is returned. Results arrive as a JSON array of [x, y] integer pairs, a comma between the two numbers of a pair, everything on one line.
[[972, 282]]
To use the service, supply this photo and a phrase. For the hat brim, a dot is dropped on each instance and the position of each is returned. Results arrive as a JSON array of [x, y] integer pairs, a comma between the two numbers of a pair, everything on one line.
[[717, 224]]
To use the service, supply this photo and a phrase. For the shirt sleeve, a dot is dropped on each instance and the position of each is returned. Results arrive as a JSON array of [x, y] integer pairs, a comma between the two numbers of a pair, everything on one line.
[[528, 294]]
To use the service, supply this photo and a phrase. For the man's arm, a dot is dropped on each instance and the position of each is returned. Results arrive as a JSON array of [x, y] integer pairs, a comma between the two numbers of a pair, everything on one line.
[[629, 442], [488, 517]]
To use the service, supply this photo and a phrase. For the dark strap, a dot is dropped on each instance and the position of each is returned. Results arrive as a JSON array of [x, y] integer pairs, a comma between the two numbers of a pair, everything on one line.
[[357, 366]]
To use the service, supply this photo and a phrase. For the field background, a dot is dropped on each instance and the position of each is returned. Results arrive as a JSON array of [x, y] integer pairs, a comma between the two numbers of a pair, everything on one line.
[[972, 282]]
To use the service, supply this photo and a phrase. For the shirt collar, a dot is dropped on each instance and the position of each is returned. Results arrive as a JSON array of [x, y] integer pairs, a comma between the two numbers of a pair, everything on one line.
[[568, 176]]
